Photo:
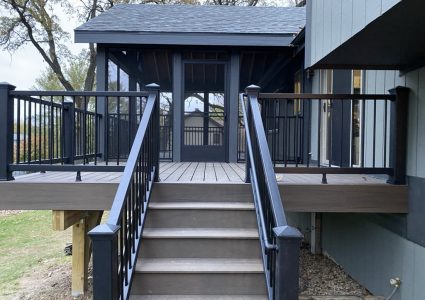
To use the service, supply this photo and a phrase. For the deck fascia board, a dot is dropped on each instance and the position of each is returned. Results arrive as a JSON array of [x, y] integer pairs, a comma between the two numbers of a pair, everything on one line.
[[355, 198]]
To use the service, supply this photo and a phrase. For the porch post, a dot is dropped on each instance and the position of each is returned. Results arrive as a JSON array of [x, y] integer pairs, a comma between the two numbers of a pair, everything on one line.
[[101, 85], [154, 88], [177, 105], [398, 136], [233, 108], [69, 127], [6, 130]]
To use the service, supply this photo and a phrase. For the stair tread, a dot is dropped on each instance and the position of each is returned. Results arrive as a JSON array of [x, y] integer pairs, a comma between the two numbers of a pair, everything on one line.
[[195, 297], [228, 233], [199, 265], [203, 205]]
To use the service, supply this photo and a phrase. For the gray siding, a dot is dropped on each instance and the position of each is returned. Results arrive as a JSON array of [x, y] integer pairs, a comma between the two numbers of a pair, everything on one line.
[[381, 82], [372, 255], [335, 21]]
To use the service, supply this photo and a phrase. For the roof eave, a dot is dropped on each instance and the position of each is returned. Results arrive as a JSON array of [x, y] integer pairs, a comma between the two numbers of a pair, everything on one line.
[[172, 38]]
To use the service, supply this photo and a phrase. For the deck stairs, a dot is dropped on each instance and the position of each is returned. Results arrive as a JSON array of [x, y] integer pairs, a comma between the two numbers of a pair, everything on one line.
[[199, 242]]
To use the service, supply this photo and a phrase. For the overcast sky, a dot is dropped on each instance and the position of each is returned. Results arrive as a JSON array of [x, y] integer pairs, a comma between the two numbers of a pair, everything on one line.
[[23, 66]]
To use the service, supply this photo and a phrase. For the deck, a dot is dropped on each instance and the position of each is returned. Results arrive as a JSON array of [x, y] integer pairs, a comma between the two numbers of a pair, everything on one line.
[[300, 192]]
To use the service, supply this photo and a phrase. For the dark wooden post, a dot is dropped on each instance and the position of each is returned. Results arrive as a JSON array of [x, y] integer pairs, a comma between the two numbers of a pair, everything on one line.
[[6, 130], [69, 131], [105, 262], [288, 240], [250, 91], [153, 88], [398, 136]]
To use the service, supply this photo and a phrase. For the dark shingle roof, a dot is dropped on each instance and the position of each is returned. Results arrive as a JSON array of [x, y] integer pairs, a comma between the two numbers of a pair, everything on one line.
[[198, 19]]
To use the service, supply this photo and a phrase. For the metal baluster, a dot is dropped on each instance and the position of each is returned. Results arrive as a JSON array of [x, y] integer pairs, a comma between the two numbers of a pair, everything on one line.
[[374, 132]]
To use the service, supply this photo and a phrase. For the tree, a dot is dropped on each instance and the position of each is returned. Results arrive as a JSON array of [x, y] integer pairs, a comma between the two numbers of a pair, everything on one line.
[[35, 22], [74, 71]]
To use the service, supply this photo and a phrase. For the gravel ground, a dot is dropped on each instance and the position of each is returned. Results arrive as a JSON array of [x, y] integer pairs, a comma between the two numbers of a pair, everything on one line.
[[4, 213], [320, 276]]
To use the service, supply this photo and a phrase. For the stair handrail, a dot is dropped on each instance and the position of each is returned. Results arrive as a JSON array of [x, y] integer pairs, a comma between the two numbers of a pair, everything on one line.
[[116, 243], [279, 241]]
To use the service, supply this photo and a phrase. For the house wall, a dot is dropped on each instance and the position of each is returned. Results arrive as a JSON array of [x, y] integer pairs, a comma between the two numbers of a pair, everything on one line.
[[376, 247], [335, 21]]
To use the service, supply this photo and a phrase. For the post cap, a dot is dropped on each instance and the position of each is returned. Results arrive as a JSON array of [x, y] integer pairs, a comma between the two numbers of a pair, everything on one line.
[[399, 90], [152, 86], [250, 89], [287, 232], [5, 84], [103, 230]]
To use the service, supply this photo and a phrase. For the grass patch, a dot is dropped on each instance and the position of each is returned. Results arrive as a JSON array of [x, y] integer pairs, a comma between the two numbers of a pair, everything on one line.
[[27, 240]]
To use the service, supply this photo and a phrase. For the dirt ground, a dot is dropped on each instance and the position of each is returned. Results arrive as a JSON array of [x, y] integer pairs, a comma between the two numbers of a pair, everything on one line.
[[49, 282], [319, 276]]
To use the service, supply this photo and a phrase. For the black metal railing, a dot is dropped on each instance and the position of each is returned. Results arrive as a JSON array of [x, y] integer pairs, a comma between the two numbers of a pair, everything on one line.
[[336, 133], [67, 131], [280, 243], [198, 135], [116, 243]]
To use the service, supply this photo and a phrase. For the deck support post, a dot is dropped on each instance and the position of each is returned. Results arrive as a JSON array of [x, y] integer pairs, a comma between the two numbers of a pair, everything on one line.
[[105, 261], [153, 88], [6, 130], [81, 250], [398, 137], [250, 91], [288, 240]]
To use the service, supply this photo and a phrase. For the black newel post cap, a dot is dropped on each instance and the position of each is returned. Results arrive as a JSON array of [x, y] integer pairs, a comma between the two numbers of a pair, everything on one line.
[[252, 89]]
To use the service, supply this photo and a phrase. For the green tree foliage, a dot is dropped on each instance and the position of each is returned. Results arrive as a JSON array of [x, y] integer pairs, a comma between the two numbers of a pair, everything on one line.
[[74, 71]]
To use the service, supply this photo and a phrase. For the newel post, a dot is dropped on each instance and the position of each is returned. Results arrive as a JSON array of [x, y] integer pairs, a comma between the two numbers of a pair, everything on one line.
[[6, 130], [288, 240], [104, 239], [153, 88], [69, 131], [398, 136], [251, 91]]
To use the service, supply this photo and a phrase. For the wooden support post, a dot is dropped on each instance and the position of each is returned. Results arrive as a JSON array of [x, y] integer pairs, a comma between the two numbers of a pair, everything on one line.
[[81, 250], [316, 233], [79, 259], [62, 219]]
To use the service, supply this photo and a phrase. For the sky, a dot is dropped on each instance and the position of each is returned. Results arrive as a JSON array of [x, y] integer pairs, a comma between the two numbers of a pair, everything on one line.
[[22, 67]]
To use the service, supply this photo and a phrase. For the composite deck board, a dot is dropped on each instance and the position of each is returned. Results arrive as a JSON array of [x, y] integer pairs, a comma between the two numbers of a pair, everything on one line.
[[200, 172], [300, 192]]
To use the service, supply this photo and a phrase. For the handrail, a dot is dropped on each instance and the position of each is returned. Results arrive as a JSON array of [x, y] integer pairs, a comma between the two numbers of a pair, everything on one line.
[[280, 242], [116, 243]]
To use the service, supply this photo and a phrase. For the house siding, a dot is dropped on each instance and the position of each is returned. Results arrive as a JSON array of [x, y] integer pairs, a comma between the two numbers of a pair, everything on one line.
[[334, 21], [372, 255]]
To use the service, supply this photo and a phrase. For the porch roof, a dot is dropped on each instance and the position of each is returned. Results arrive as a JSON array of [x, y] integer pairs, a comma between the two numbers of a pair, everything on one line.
[[194, 25]]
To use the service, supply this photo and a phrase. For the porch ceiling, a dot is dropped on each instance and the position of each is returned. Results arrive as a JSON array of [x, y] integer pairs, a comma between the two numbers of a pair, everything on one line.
[[393, 41]]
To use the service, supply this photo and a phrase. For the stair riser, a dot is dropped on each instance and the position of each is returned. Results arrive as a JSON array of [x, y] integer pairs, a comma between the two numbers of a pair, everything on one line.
[[198, 192], [199, 284], [193, 218], [200, 248]]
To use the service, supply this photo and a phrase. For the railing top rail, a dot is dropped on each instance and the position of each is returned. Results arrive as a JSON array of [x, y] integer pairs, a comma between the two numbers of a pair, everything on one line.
[[118, 204], [80, 93], [270, 177], [304, 96]]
